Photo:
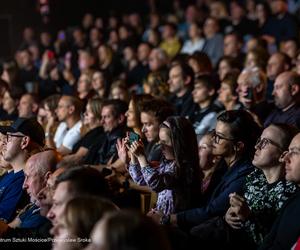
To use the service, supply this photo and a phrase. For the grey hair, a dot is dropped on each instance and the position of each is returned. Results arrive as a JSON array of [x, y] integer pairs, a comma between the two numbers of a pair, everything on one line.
[[255, 76], [162, 55]]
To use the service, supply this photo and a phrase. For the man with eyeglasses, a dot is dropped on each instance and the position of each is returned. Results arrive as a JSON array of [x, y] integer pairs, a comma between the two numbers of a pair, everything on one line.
[[24, 137], [10, 184], [266, 189], [286, 228]]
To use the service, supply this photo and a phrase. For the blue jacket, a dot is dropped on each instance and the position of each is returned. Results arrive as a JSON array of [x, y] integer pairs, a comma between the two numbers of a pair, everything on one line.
[[31, 217], [232, 181], [10, 194]]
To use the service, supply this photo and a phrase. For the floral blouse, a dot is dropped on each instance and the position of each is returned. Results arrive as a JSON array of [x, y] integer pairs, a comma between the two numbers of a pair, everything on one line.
[[264, 201], [161, 180]]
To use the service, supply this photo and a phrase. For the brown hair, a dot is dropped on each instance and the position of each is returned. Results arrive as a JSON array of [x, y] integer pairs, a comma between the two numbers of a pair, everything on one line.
[[129, 230], [51, 102], [158, 87], [137, 101], [81, 213]]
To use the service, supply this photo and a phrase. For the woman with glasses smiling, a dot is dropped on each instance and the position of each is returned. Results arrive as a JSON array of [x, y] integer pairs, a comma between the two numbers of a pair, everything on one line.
[[265, 189]]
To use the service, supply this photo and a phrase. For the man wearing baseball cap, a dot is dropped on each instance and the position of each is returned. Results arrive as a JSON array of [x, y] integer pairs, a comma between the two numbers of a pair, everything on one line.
[[24, 138], [28, 130]]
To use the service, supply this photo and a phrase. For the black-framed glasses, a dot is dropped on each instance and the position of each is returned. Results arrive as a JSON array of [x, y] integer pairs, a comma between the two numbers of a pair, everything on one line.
[[216, 137], [263, 142], [9, 136]]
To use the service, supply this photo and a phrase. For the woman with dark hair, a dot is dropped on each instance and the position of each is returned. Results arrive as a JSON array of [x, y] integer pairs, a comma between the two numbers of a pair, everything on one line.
[[200, 63], [108, 62], [100, 84], [212, 169], [265, 21], [227, 94], [177, 178], [156, 86], [50, 106], [11, 73], [257, 58], [227, 65], [10, 102], [119, 90], [3, 88], [233, 141], [133, 113]]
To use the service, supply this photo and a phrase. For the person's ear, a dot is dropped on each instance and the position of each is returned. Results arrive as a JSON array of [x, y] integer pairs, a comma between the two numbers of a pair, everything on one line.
[[259, 88], [239, 146], [187, 81], [121, 119], [71, 109], [211, 92], [25, 142], [294, 89], [35, 107]]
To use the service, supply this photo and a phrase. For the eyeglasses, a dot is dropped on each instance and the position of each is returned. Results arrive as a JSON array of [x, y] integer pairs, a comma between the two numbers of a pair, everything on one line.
[[216, 137], [9, 136], [290, 153], [263, 142]]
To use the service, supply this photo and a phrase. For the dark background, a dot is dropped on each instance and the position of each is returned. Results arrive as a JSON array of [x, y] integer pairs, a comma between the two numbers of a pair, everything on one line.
[[15, 15]]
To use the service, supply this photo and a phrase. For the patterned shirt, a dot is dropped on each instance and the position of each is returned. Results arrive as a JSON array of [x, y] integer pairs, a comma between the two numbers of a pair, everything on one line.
[[161, 180], [264, 201]]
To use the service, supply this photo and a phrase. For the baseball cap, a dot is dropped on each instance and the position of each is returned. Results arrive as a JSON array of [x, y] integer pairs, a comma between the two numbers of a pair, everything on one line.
[[27, 126]]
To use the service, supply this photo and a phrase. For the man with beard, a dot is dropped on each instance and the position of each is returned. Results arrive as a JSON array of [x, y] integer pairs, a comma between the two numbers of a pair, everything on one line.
[[286, 97]]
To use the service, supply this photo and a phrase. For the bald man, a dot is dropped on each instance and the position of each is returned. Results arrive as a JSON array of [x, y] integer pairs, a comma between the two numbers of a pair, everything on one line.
[[45, 196], [286, 94], [68, 131], [37, 170]]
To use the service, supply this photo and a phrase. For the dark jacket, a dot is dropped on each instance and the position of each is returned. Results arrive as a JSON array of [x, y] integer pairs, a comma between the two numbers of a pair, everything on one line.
[[104, 150], [290, 116], [232, 181], [184, 105], [286, 228]]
